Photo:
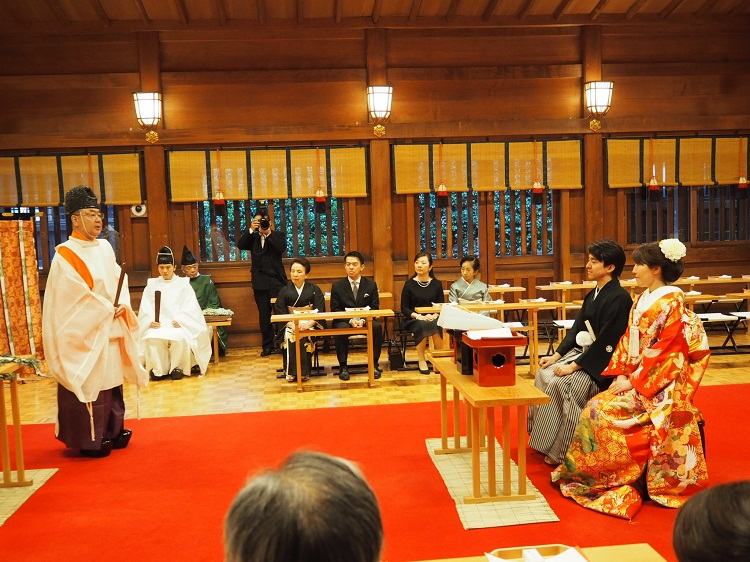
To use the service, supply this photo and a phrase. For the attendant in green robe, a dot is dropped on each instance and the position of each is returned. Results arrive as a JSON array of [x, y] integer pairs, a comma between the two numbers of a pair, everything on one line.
[[205, 291]]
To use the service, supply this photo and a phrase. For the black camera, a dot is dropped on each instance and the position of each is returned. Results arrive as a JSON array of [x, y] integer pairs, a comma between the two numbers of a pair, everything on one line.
[[265, 222]]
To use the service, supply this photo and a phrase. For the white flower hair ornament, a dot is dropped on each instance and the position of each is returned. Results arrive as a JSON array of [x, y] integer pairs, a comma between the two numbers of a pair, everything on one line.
[[673, 249]]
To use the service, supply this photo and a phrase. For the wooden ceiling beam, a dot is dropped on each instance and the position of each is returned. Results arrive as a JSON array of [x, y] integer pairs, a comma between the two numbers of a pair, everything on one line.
[[338, 10], [739, 8], [452, 9], [561, 7], [260, 10], [634, 9], [182, 11], [100, 12], [416, 5], [705, 8], [376, 10], [598, 8], [670, 8], [526, 9], [489, 9], [58, 12], [142, 11], [221, 12]]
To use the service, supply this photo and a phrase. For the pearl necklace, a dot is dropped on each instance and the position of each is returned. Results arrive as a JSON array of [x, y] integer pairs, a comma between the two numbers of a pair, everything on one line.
[[422, 283]]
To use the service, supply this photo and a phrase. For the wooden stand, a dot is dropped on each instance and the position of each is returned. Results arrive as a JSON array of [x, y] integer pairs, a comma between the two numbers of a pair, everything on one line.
[[480, 403], [8, 373]]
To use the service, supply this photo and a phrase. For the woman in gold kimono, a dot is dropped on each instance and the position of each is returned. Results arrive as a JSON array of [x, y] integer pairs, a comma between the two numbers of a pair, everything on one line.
[[645, 422]]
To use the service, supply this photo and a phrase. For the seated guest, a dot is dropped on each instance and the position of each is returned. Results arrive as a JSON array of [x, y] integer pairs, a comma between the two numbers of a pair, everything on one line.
[[572, 375], [355, 291], [205, 292], [421, 290], [468, 288], [178, 338], [646, 420], [299, 295], [714, 525], [315, 507]]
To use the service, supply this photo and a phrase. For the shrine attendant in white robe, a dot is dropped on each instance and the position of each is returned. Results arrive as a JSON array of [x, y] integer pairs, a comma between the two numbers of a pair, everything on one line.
[[179, 338], [90, 334]]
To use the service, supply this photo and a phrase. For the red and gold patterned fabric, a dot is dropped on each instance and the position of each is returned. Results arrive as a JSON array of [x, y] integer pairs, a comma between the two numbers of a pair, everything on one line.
[[651, 429], [20, 303]]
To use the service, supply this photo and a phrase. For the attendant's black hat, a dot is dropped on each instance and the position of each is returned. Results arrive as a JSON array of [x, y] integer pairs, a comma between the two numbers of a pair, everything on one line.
[[165, 255], [80, 197], [187, 257]]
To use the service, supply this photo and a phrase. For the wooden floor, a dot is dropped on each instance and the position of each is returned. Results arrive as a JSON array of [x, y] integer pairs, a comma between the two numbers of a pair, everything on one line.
[[246, 382]]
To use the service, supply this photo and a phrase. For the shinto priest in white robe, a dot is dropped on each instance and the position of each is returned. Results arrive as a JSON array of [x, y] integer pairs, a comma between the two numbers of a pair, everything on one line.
[[89, 352], [178, 303]]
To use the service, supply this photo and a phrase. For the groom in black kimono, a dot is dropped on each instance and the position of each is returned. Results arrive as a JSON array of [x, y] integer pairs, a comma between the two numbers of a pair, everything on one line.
[[572, 375], [355, 291]]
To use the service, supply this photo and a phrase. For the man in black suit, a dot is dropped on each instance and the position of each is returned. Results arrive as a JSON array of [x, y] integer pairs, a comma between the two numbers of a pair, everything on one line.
[[266, 246], [355, 291]]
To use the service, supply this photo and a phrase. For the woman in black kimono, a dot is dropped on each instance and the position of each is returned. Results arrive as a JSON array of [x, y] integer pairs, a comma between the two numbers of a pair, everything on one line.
[[299, 295]]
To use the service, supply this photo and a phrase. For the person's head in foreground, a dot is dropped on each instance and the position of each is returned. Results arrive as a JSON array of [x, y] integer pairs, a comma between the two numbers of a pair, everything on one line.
[[714, 525], [313, 508]]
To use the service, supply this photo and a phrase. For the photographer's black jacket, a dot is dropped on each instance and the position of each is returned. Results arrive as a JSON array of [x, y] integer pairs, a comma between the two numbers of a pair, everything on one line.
[[266, 267]]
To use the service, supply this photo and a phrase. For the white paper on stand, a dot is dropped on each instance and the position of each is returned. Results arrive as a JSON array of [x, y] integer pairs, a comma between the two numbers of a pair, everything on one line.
[[502, 332], [457, 318]]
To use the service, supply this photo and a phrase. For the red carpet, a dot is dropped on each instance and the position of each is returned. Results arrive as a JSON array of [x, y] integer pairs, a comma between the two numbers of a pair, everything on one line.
[[164, 497]]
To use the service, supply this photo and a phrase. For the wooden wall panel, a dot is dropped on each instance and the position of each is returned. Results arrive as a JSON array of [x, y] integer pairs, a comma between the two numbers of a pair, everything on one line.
[[482, 47], [74, 54], [257, 104], [626, 46], [459, 100], [187, 52]]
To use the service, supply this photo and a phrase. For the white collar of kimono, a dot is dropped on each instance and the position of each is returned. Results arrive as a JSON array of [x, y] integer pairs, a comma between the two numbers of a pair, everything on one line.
[[650, 297], [299, 289], [84, 243]]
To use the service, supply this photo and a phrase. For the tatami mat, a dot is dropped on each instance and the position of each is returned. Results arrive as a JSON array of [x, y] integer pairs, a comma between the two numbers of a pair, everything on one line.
[[12, 498], [455, 469]]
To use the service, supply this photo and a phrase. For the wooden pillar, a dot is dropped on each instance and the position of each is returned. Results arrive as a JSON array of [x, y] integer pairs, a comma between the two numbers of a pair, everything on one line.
[[154, 161], [592, 142], [381, 209], [380, 171]]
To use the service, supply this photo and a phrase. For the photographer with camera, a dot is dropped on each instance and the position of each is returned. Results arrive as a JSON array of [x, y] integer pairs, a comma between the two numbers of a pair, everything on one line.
[[266, 247]]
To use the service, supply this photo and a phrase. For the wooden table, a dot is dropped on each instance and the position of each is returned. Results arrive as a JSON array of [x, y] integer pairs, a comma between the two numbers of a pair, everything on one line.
[[531, 307], [9, 374], [224, 321], [640, 552], [366, 330], [494, 290], [481, 402]]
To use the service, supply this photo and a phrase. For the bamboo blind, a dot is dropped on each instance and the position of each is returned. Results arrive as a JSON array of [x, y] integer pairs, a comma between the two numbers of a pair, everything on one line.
[[488, 166], [563, 164], [731, 159], [449, 166], [229, 174], [187, 175], [348, 172], [8, 186], [623, 163], [695, 161], [524, 164], [80, 169], [39, 181], [659, 156], [412, 168], [269, 177], [308, 172], [122, 178]]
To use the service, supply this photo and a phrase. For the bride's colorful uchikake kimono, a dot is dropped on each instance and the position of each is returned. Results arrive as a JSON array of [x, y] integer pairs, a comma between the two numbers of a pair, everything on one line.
[[654, 425]]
